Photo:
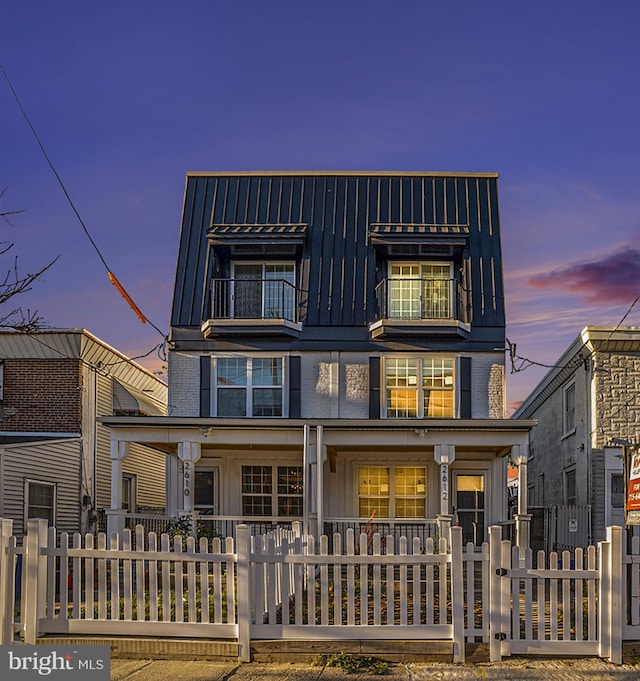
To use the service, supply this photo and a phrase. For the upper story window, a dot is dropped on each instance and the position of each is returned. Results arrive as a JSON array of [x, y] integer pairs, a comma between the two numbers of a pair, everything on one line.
[[420, 290], [419, 387], [249, 386], [263, 290], [569, 409]]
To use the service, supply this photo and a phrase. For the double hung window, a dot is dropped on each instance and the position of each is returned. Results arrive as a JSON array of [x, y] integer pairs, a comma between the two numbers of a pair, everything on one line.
[[272, 490], [41, 501], [419, 387], [397, 492], [264, 291], [420, 290], [249, 386]]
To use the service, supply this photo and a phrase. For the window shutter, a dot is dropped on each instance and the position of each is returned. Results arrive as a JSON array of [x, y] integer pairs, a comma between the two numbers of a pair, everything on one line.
[[374, 387], [465, 387], [295, 387], [205, 386]]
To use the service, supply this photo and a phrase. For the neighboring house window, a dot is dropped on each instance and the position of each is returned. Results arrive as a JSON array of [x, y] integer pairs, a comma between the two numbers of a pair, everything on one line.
[[569, 409], [391, 492], [272, 490], [420, 290], [570, 487], [617, 491], [264, 291], [419, 387], [129, 492], [41, 500], [249, 386]]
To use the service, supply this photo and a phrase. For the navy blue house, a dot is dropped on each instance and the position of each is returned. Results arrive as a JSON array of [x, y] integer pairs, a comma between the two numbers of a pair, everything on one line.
[[336, 355]]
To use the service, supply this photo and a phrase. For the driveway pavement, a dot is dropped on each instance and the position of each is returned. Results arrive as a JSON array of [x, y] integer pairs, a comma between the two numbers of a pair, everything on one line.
[[583, 669]]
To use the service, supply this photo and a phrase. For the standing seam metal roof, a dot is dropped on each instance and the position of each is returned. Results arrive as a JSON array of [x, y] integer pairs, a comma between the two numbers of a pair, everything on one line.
[[339, 210]]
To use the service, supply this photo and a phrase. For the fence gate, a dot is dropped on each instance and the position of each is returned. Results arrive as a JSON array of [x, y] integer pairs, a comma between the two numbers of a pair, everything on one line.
[[556, 604]]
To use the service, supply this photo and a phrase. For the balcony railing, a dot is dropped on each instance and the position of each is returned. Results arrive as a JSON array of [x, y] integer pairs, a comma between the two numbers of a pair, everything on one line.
[[254, 299], [412, 303]]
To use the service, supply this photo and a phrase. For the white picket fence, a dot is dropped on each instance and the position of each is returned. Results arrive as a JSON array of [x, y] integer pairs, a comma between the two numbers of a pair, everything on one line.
[[287, 586]]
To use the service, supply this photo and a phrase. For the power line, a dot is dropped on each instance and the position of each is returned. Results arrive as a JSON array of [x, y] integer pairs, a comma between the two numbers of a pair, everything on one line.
[[112, 276], [520, 363]]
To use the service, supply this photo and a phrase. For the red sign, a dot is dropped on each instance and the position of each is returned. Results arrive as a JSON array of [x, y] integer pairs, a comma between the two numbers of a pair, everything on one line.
[[633, 489]]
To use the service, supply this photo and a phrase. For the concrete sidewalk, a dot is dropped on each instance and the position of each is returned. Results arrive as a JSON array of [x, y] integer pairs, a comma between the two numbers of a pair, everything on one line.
[[520, 669]]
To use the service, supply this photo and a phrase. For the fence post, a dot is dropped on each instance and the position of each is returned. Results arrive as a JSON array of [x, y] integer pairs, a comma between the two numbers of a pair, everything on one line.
[[604, 598], [457, 594], [34, 582], [614, 535], [495, 594], [8, 584], [244, 585]]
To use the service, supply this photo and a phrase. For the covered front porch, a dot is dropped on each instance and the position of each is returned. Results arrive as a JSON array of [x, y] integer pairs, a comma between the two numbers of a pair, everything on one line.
[[401, 478]]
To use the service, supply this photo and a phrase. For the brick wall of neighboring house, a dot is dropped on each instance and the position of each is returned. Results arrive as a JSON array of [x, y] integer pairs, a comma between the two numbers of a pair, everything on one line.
[[617, 398], [42, 395]]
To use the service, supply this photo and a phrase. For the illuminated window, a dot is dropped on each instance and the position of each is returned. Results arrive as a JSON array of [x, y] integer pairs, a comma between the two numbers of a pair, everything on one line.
[[419, 387], [398, 492]]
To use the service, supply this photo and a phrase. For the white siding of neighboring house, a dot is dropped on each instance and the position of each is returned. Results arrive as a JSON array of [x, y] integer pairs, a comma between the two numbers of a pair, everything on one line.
[[55, 462], [148, 465]]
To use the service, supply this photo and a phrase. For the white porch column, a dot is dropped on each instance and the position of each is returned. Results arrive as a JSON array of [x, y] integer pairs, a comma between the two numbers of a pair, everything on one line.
[[306, 493], [115, 515], [172, 485], [320, 458], [444, 455], [188, 453], [519, 455]]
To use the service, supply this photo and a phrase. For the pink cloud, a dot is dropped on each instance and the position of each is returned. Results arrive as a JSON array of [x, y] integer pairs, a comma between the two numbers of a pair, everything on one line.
[[614, 279]]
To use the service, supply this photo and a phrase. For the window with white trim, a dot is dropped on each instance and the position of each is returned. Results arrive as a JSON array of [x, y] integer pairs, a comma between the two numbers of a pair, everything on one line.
[[391, 492], [569, 409], [40, 500], [419, 387], [272, 491], [129, 501], [249, 386], [420, 290], [264, 290]]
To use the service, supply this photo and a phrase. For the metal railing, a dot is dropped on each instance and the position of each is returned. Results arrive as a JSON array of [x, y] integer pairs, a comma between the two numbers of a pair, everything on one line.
[[254, 299], [421, 299]]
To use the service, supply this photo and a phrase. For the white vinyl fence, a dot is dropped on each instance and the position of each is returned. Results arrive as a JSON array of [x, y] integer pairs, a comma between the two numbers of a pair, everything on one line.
[[283, 585]]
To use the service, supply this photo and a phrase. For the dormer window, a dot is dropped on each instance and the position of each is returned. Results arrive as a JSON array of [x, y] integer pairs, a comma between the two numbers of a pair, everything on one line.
[[420, 290], [254, 284]]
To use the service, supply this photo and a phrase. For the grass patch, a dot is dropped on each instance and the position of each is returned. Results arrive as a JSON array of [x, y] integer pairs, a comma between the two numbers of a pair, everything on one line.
[[353, 664]]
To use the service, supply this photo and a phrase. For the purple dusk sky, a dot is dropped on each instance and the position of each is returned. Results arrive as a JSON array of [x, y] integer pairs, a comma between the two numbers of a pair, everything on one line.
[[129, 96]]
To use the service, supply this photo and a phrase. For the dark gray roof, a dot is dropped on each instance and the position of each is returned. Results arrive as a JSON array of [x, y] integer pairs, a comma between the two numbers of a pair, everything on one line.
[[341, 213]]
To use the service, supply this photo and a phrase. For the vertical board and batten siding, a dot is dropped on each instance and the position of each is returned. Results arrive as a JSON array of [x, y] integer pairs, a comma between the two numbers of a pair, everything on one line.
[[337, 268], [56, 462]]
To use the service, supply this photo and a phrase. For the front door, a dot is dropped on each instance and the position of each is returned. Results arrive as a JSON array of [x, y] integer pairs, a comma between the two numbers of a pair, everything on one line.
[[470, 506]]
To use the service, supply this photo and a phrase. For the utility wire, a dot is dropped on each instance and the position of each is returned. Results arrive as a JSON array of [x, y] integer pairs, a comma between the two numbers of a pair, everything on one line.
[[112, 277], [519, 363]]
